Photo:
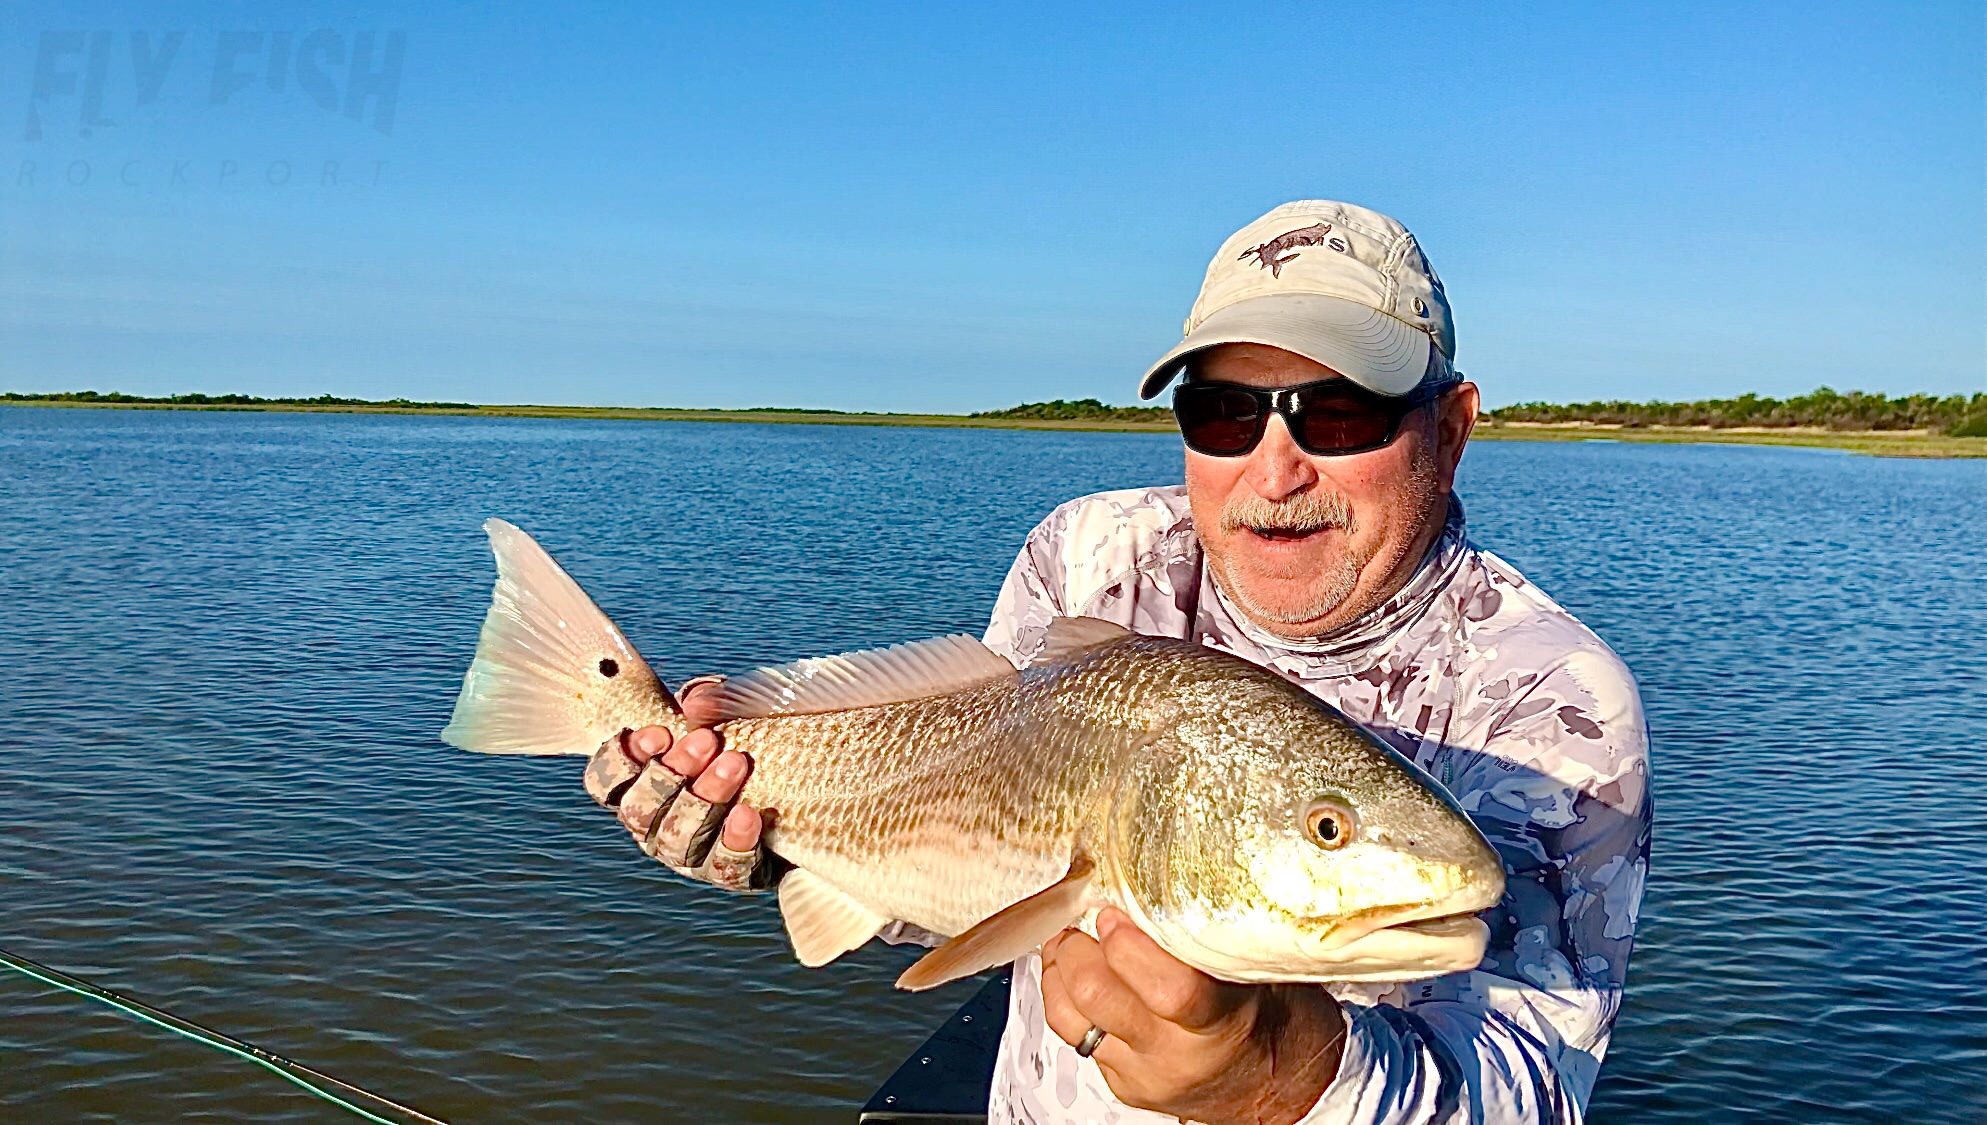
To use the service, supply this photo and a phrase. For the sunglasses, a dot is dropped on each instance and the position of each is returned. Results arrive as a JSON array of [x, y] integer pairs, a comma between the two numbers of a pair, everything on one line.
[[1331, 418]]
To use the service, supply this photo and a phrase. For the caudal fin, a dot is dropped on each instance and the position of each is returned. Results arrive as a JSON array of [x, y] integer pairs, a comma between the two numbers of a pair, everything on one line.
[[552, 674]]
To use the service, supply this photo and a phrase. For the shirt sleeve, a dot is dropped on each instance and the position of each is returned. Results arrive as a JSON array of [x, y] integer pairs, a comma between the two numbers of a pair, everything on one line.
[[1560, 787], [1032, 595]]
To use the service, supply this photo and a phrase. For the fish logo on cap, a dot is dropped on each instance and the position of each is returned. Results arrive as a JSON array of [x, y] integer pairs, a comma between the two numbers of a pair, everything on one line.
[[1280, 251]]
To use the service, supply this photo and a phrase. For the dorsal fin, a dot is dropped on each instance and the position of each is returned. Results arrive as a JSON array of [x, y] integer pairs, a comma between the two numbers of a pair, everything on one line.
[[918, 670], [1071, 637]]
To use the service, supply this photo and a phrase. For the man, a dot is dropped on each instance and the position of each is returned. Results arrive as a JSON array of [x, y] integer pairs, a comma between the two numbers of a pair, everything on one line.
[[1316, 534]]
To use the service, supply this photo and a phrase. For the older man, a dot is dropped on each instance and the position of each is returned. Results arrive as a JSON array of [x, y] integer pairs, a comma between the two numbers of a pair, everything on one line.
[[1317, 534]]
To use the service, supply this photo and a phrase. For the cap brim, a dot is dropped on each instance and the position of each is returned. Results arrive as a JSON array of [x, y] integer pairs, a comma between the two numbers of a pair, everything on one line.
[[1377, 351]]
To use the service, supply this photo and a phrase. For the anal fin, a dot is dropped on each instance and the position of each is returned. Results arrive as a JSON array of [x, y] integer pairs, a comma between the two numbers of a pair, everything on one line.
[[822, 921], [1010, 933]]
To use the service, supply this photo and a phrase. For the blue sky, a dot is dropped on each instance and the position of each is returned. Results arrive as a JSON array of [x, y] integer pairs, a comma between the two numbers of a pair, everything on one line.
[[922, 208]]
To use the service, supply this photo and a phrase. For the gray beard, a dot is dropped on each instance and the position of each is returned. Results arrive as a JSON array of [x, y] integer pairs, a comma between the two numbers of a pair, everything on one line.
[[1331, 588], [1310, 511], [1330, 591]]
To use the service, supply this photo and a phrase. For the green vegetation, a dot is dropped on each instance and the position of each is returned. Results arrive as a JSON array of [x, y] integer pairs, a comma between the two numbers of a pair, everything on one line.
[[1826, 409], [1973, 425], [1885, 443], [117, 398], [1910, 426], [1080, 410]]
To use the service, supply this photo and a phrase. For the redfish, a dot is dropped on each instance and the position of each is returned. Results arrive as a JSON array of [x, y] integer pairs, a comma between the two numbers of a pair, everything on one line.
[[1252, 830]]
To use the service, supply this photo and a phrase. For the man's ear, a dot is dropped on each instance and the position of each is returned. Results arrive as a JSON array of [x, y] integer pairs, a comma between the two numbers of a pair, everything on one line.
[[1453, 426]]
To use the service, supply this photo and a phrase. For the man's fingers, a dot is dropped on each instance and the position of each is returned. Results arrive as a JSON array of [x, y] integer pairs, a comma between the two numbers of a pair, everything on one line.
[[1164, 985], [1080, 989], [739, 860], [648, 796], [741, 829], [685, 834], [611, 771], [646, 743], [683, 837], [678, 796], [698, 700], [732, 870], [670, 765], [693, 753], [736, 861], [1058, 1010], [720, 783]]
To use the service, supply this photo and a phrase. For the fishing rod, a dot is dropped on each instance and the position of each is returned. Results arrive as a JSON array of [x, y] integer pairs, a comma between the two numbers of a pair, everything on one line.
[[305, 1077]]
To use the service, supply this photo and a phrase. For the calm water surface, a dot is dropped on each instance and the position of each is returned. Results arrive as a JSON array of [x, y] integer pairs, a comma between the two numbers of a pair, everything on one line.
[[228, 642]]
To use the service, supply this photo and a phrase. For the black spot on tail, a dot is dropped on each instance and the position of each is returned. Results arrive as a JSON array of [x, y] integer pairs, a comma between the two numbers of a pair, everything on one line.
[[608, 667]]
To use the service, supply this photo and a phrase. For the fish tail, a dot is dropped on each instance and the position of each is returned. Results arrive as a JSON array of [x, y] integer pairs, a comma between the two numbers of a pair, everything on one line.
[[552, 675]]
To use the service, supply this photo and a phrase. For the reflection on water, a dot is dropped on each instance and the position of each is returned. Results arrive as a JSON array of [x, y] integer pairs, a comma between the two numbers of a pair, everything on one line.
[[229, 641]]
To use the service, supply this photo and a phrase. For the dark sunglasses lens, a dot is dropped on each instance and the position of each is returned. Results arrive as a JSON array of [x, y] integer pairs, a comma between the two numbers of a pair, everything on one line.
[[1340, 422], [1218, 420]]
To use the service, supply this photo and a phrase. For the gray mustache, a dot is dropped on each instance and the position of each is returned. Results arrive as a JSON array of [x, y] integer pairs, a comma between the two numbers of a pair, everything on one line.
[[1305, 512]]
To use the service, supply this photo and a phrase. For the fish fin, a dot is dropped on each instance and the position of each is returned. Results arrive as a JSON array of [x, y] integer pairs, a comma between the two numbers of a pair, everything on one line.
[[552, 675], [1013, 932], [823, 922], [1070, 637], [918, 670]]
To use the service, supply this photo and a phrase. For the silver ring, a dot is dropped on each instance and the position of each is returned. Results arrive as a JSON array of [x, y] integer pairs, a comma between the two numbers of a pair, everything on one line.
[[1088, 1044]]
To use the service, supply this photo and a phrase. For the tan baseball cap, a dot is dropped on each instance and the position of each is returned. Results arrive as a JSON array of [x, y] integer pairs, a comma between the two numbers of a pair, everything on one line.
[[1333, 282]]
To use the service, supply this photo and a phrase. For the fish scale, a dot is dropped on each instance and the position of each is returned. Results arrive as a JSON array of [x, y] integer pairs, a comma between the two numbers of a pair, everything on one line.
[[937, 812]]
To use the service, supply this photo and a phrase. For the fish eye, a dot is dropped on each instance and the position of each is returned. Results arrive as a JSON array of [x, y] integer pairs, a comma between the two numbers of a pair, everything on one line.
[[1330, 824]]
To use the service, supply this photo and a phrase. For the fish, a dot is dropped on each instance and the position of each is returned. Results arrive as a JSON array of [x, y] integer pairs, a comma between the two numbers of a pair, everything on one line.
[[1253, 831]]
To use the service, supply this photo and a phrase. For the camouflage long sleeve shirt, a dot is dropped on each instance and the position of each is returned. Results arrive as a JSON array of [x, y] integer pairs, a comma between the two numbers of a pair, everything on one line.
[[1531, 722]]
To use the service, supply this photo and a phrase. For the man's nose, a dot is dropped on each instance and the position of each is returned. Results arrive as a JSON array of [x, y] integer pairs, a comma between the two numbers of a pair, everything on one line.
[[1277, 468]]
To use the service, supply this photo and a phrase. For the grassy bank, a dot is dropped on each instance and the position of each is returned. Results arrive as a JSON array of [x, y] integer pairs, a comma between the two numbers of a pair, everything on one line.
[[1881, 443], [1877, 443], [624, 413]]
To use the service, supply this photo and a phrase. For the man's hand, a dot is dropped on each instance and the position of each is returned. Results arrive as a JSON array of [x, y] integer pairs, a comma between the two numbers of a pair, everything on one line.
[[1180, 1041], [677, 797]]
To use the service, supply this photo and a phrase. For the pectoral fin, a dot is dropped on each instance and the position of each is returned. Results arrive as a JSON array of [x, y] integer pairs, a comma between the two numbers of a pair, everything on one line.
[[822, 921], [1011, 933]]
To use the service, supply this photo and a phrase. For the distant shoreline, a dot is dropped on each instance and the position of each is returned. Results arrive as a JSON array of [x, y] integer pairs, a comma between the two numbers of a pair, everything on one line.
[[1880, 443]]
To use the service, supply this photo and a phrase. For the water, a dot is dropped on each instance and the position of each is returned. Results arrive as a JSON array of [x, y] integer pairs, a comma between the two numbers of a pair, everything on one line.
[[229, 640]]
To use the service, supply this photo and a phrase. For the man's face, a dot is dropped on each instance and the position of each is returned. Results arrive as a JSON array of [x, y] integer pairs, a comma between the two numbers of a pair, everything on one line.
[[1304, 544]]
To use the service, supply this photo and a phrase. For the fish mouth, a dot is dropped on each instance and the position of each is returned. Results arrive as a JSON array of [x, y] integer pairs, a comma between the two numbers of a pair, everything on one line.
[[1391, 948], [1448, 921], [1419, 918], [1439, 926], [1413, 950], [1413, 941]]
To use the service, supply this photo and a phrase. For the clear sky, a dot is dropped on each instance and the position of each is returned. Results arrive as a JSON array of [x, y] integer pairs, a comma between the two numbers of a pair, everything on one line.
[[923, 207]]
